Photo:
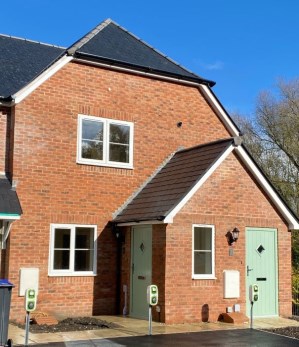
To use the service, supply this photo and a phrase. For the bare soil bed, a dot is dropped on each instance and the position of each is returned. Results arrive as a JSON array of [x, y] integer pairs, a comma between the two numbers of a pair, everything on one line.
[[70, 324]]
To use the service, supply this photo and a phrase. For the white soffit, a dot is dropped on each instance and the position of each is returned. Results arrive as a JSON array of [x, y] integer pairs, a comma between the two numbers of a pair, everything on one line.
[[29, 88], [274, 197]]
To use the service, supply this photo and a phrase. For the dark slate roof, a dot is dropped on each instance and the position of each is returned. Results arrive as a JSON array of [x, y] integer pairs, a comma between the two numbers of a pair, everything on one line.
[[112, 44], [173, 182], [21, 61], [9, 201]]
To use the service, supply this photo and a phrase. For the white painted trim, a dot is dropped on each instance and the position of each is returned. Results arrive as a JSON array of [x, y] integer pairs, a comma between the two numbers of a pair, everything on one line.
[[290, 219], [219, 110], [204, 276], [29, 88], [71, 272], [9, 217], [181, 204], [106, 123]]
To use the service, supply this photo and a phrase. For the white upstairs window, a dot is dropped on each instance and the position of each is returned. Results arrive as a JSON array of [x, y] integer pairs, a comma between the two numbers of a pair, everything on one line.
[[105, 142]]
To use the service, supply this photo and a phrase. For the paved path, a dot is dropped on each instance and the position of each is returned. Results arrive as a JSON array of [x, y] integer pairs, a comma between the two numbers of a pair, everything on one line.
[[228, 338]]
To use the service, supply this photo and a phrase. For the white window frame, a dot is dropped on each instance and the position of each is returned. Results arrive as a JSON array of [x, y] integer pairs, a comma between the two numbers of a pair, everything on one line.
[[204, 276], [71, 271], [106, 128]]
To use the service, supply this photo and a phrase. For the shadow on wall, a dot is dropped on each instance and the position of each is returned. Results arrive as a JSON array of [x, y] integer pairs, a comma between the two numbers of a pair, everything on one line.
[[205, 313]]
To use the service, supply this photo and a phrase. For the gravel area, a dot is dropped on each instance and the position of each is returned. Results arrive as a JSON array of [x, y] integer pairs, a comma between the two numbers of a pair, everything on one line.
[[288, 331]]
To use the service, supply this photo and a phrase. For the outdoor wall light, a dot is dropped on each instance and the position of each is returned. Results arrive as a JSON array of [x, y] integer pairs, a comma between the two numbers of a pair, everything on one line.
[[232, 236]]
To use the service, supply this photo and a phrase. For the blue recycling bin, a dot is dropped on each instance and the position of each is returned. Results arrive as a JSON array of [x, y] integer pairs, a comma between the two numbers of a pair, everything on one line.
[[5, 298]]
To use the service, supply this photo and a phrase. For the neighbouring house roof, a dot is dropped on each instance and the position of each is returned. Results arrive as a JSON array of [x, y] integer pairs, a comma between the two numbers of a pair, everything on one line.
[[21, 61], [180, 178], [111, 44], [173, 182], [9, 201]]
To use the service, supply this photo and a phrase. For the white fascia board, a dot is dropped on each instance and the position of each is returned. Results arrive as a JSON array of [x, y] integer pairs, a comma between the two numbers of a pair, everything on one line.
[[29, 88], [281, 206], [220, 110], [181, 204]]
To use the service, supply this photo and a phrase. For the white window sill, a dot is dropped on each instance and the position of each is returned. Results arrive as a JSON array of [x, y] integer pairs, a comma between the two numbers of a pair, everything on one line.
[[95, 163], [72, 274], [204, 278]]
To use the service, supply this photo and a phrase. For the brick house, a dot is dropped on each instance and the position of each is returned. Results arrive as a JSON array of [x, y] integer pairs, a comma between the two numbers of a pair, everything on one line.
[[120, 168]]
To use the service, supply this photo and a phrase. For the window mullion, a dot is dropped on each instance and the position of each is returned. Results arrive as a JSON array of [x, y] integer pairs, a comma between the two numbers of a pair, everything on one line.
[[72, 249], [107, 143]]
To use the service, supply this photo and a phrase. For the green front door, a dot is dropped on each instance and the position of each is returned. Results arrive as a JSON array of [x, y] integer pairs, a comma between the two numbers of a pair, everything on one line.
[[141, 269], [261, 269]]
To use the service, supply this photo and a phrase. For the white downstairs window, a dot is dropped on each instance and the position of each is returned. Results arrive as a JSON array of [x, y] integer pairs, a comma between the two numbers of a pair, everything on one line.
[[105, 142], [203, 252], [72, 250]]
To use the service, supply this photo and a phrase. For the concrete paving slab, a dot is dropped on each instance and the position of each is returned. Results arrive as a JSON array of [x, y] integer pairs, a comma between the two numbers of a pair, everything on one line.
[[226, 338], [128, 327]]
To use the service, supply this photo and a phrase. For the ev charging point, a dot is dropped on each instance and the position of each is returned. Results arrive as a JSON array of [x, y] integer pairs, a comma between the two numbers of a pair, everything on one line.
[[253, 297], [152, 300], [30, 306]]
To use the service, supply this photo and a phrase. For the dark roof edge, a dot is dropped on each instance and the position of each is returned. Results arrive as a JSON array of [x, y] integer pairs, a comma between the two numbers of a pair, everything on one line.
[[121, 64], [230, 139], [141, 220]]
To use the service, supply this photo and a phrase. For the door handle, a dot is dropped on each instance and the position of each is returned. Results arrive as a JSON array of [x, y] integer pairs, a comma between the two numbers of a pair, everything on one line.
[[248, 270]]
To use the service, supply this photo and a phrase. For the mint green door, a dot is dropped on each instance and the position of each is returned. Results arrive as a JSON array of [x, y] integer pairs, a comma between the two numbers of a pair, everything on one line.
[[141, 269], [261, 269]]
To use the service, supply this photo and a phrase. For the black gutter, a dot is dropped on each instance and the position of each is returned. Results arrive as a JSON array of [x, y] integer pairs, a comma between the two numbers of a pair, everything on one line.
[[139, 220], [6, 99], [112, 62]]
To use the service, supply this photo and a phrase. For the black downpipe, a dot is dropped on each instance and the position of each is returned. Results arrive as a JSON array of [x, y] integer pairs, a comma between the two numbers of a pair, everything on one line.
[[118, 233]]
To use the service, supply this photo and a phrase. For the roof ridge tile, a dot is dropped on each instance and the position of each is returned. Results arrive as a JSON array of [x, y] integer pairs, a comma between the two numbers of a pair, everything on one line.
[[32, 41], [86, 38]]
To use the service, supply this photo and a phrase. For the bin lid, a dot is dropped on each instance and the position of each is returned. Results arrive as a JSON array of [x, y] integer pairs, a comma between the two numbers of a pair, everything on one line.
[[5, 283]]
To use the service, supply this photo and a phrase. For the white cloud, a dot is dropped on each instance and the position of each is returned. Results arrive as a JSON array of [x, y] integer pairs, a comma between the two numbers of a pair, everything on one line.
[[217, 65]]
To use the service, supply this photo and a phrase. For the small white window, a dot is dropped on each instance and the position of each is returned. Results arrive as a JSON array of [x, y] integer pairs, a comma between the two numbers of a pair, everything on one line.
[[72, 250], [105, 142], [203, 258]]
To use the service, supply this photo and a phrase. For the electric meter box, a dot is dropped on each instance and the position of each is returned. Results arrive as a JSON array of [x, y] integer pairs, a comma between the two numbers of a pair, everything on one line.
[[152, 295], [30, 300], [253, 293]]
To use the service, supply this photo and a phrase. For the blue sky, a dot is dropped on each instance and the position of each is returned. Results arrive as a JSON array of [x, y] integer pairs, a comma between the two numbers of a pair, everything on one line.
[[243, 45]]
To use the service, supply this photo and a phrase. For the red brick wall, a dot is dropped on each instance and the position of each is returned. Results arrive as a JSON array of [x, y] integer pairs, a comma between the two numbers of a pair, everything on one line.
[[5, 120], [227, 199], [53, 188]]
